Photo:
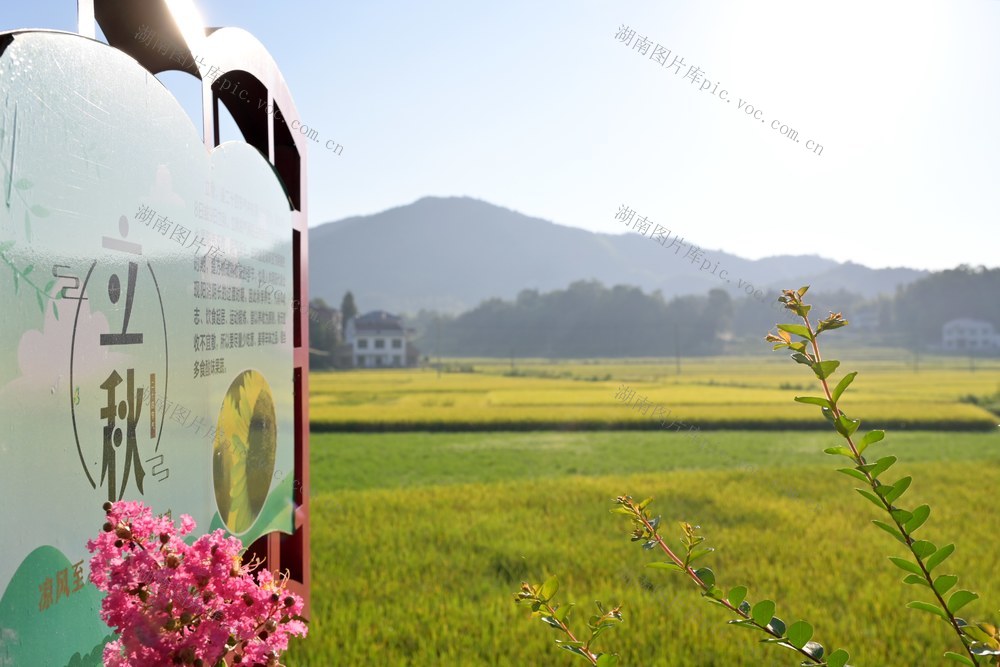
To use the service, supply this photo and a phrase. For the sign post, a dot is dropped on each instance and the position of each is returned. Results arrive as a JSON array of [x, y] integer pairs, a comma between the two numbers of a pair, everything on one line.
[[153, 344]]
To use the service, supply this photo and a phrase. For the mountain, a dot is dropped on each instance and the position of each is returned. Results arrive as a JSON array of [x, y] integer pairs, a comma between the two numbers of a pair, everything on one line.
[[451, 253]]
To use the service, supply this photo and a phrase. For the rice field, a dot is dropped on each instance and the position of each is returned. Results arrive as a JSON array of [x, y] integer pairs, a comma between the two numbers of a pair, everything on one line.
[[505, 471], [710, 393], [419, 541]]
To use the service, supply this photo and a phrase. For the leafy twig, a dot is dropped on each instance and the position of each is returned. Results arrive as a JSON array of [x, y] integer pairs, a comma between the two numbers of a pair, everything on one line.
[[797, 637], [925, 555], [539, 597]]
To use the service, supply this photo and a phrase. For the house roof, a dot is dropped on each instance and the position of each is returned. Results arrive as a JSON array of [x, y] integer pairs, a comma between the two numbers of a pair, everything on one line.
[[378, 320]]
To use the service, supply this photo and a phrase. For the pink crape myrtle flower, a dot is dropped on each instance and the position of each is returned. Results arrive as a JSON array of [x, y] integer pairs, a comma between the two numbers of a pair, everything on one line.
[[172, 603]]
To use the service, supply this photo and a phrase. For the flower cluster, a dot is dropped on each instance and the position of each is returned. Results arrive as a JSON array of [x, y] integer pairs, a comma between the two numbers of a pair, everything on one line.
[[172, 603]]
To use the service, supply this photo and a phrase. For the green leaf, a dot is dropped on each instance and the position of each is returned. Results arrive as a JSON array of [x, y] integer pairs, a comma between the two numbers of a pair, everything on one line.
[[737, 594], [706, 575], [700, 553], [928, 607], [906, 565], [959, 599], [800, 633], [870, 438], [872, 497], [802, 359], [838, 658], [551, 621], [825, 369], [562, 613], [856, 474], [898, 489], [945, 583], [762, 612], [882, 465], [575, 649], [939, 556], [960, 658], [890, 529], [845, 425], [977, 632], [607, 660], [55, 310], [829, 324], [923, 548], [777, 626], [919, 517], [796, 330], [28, 269], [549, 588], [840, 451], [40, 211], [813, 400], [915, 580], [844, 383], [901, 516], [41, 303], [23, 184]]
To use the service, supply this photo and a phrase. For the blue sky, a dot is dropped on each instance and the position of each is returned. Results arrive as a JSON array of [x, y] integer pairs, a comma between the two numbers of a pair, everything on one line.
[[536, 107]]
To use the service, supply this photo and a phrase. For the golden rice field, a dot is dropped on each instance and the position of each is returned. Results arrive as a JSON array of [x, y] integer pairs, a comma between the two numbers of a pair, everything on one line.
[[715, 392]]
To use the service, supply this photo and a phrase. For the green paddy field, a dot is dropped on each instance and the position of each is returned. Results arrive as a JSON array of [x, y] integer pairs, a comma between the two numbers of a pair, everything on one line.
[[420, 538]]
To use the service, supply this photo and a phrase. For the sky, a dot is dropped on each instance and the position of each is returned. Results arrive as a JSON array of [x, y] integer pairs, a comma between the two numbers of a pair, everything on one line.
[[538, 107]]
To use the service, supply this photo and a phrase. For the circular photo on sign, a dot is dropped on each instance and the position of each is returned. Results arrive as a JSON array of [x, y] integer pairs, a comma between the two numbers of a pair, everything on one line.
[[243, 455]]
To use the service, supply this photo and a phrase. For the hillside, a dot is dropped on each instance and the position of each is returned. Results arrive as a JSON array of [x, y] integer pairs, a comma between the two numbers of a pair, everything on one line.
[[449, 254]]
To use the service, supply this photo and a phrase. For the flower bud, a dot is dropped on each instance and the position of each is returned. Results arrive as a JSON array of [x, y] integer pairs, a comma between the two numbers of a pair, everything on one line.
[[108, 527], [173, 561], [107, 506]]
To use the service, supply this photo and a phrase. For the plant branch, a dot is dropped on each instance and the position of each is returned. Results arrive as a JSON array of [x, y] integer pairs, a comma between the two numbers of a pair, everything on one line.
[[639, 515]]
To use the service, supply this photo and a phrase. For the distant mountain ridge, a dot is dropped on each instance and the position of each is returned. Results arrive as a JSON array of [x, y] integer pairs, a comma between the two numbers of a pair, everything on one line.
[[451, 253]]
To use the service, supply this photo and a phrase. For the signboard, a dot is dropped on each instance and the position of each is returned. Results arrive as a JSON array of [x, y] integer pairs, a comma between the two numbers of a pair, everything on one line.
[[146, 350]]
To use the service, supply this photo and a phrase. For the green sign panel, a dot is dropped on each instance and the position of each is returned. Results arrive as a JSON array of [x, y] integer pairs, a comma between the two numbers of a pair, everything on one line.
[[145, 352]]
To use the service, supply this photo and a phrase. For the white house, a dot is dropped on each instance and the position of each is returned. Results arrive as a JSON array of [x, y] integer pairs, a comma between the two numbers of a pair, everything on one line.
[[378, 340], [968, 335]]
